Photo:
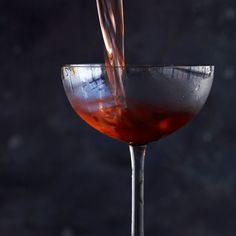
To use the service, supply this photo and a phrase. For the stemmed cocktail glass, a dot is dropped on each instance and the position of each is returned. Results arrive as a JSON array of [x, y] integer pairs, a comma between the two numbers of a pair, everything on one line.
[[155, 101]]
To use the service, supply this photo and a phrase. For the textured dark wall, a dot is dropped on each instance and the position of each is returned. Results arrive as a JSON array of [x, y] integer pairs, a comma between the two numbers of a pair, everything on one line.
[[60, 177]]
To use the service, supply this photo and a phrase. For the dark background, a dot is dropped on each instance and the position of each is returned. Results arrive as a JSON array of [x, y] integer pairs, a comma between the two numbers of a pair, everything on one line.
[[60, 177]]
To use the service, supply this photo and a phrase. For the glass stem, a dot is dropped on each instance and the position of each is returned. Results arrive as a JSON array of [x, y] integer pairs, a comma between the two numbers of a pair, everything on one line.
[[137, 162]]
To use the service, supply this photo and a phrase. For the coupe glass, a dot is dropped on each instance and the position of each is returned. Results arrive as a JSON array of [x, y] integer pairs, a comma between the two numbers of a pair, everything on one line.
[[148, 103]]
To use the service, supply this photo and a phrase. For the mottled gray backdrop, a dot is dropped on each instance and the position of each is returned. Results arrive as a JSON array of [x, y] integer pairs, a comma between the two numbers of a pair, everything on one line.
[[60, 177]]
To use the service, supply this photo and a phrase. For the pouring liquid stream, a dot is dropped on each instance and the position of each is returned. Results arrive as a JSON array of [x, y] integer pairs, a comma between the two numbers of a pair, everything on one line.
[[111, 18]]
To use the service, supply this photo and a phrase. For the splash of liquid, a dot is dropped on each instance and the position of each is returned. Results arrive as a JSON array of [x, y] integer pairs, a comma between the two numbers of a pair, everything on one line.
[[111, 17]]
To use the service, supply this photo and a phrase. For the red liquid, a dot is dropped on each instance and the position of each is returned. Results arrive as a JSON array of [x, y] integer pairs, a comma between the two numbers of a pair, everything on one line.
[[111, 18], [137, 124]]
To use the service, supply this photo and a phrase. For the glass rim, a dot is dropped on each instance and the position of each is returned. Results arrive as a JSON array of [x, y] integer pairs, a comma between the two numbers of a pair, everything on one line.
[[99, 65]]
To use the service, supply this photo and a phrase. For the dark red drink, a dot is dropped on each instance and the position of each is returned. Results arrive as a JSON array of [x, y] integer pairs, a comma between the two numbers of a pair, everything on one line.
[[134, 123]]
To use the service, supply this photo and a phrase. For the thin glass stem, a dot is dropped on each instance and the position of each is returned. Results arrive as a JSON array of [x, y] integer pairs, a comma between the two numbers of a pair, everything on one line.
[[137, 162]]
